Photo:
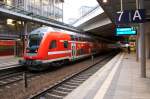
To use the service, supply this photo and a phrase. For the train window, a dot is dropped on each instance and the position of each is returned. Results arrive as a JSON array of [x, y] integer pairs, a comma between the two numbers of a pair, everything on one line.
[[65, 44], [72, 38], [76, 38], [85, 39], [82, 39], [53, 44], [79, 39], [34, 40]]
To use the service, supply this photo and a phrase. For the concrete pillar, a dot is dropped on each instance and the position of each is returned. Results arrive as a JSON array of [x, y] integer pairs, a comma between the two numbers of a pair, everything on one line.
[[142, 47], [148, 43], [147, 36], [137, 45], [149, 46]]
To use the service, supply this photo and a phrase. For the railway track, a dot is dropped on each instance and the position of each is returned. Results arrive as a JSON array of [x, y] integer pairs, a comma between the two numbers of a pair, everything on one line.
[[60, 89], [13, 76], [9, 71]]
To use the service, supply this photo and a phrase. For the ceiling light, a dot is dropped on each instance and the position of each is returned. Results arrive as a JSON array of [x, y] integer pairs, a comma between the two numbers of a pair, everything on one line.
[[10, 22], [105, 1]]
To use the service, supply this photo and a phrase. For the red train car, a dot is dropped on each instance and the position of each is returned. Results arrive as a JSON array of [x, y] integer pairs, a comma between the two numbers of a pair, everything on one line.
[[51, 45]]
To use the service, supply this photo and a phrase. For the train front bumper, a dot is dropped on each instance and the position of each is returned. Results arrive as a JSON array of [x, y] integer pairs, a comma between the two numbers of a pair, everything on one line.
[[30, 62]]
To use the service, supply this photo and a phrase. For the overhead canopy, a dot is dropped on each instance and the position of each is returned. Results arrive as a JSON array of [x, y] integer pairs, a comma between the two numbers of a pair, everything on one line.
[[110, 8], [113, 6]]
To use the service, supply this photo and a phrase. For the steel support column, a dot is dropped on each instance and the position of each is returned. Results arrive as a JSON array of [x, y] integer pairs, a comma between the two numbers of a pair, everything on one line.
[[121, 5], [25, 36]]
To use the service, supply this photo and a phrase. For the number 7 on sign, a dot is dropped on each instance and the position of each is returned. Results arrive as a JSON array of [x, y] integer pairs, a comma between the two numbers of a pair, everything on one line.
[[120, 15]]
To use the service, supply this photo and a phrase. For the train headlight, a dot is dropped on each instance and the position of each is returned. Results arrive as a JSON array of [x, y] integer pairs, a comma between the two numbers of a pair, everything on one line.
[[34, 63], [27, 51], [36, 50]]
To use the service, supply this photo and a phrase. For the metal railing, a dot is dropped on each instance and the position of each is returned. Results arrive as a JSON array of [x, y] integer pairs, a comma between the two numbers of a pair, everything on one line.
[[31, 14], [23, 11]]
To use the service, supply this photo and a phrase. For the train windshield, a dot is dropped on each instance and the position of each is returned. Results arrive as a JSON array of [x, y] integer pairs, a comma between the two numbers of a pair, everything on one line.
[[34, 40]]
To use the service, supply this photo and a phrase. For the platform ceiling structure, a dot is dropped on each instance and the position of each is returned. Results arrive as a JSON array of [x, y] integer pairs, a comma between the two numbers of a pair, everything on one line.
[[101, 25], [112, 6], [107, 28]]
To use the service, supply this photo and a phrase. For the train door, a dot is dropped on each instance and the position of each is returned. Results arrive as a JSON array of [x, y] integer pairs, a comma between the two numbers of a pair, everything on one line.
[[73, 51]]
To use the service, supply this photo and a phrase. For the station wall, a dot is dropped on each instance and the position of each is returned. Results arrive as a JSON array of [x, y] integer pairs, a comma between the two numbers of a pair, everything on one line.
[[8, 34]]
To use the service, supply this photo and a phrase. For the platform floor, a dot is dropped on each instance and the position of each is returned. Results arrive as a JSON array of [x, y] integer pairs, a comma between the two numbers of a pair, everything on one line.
[[8, 62], [118, 79]]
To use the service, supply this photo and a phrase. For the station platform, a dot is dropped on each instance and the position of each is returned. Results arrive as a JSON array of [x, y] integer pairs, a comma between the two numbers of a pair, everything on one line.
[[9, 62], [118, 79]]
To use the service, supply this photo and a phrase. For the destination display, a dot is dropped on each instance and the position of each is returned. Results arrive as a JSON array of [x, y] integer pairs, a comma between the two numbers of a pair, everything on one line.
[[125, 31]]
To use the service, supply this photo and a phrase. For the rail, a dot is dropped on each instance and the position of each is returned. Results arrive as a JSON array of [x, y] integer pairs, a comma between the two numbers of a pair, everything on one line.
[[62, 88]]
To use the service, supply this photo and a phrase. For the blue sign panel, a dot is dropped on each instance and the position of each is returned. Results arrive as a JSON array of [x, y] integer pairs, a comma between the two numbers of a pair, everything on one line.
[[130, 16], [125, 31], [138, 16], [122, 17]]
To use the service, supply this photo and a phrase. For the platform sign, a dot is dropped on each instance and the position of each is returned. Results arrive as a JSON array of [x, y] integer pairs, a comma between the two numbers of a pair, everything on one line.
[[122, 17], [130, 16], [125, 31], [137, 16]]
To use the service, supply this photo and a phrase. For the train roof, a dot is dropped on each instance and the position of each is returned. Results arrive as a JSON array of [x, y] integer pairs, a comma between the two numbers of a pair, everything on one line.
[[46, 29], [42, 30]]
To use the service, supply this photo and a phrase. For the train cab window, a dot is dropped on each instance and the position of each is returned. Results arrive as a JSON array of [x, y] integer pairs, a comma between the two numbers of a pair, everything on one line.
[[34, 40], [65, 44], [53, 44]]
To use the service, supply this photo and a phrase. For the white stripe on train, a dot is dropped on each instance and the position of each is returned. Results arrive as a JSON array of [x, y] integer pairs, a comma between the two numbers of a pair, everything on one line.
[[59, 52], [67, 57], [56, 59]]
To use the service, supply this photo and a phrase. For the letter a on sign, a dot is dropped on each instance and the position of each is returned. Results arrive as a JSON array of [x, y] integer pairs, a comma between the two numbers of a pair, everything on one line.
[[138, 16]]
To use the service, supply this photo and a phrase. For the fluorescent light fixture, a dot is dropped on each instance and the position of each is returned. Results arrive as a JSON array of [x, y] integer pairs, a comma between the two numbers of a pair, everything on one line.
[[105, 1], [19, 22], [10, 22], [9, 2]]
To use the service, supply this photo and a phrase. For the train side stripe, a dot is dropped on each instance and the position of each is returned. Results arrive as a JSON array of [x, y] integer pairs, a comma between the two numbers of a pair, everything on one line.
[[56, 59], [59, 52]]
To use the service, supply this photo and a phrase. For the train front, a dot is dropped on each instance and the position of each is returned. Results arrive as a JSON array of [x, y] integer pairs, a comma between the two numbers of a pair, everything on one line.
[[31, 55]]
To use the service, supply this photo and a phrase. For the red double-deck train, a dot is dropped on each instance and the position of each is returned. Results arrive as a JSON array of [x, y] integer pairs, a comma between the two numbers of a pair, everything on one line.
[[47, 45]]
